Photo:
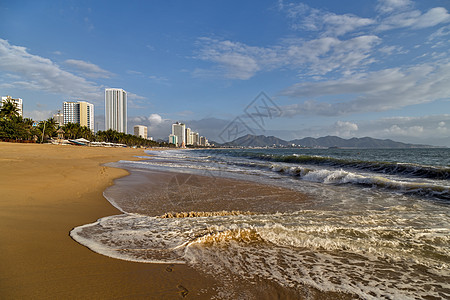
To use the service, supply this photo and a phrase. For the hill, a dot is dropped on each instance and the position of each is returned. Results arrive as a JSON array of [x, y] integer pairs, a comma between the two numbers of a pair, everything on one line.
[[322, 142]]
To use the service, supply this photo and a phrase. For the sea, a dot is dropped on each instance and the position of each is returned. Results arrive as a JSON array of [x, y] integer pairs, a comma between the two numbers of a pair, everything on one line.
[[374, 223]]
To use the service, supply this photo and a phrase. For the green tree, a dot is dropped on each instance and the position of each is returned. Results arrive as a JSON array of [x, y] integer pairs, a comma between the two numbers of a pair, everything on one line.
[[9, 109]]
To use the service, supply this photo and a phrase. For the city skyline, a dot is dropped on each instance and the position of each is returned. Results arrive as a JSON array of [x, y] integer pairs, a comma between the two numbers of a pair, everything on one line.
[[372, 68]]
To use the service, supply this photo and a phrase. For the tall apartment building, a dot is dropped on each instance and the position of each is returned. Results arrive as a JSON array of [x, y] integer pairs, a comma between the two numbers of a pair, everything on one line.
[[203, 141], [140, 131], [195, 138], [188, 136], [116, 110], [179, 129], [17, 101], [80, 112]]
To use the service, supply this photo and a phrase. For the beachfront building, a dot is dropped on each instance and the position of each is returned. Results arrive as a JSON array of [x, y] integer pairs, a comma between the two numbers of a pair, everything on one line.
[[179, 129], [173, 139], [195, 138], [188, 137], [80, 112], [116, 110], [17, 101], [204, 142], [140, 131]]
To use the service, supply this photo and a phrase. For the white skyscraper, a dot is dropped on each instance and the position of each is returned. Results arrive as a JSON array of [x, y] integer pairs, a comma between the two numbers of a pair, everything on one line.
[[116, 110], [80, 112], [179, 130], [17, 101], [188, 137]]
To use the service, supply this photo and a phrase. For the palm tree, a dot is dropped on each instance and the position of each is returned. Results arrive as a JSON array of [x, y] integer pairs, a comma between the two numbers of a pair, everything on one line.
[[9, 109]]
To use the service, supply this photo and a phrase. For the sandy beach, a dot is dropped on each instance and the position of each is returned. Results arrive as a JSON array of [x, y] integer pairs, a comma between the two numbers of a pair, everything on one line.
[[46, 190]]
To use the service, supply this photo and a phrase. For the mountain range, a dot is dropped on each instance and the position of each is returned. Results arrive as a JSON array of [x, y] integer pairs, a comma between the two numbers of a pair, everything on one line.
[[322, 142]]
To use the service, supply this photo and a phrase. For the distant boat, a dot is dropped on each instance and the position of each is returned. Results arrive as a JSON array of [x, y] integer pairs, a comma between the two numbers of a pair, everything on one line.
[[75, 142]]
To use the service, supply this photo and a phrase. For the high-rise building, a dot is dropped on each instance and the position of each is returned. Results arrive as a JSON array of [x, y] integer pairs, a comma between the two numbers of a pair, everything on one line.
[[140, 131], [204, 141], [195, 138], [80, 112], [17, 101], [173, 139], [188, 136], [179, 129], [116, 110]]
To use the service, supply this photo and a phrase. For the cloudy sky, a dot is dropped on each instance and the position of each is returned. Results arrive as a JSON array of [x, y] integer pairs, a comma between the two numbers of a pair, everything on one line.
[[346, 68]]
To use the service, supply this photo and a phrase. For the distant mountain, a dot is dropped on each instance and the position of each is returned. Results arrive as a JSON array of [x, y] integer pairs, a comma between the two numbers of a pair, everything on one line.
[[256, 141], [327, 141]]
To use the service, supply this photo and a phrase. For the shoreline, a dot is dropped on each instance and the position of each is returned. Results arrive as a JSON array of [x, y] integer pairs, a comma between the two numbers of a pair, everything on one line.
[[47, 190]]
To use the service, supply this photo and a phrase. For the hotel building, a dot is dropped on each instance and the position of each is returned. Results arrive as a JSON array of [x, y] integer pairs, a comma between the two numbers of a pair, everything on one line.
[[173, 139], [140, 131], [179, 130], [188, 136], [195, 138], [80, 112], [17, 101], [116, 110]]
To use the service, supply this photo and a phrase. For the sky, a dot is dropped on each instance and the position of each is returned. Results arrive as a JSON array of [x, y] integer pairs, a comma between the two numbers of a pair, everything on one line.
[[292, 69]]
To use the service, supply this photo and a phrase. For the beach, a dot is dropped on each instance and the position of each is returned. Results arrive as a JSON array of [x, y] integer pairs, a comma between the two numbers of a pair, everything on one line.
[[46, 190], [121, 223], [287, 223]]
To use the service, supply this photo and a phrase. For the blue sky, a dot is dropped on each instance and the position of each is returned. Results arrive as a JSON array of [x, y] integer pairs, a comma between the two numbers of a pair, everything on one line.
[[347, 68]]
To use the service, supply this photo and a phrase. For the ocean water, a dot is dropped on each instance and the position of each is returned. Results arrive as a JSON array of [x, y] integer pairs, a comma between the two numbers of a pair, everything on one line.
[[375, 223]]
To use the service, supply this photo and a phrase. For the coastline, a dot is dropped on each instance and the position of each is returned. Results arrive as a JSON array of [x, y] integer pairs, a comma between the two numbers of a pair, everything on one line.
[[46, 191]]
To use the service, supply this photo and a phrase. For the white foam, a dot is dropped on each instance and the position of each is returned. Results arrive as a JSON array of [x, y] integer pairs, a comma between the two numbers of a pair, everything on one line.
[[331, 251]]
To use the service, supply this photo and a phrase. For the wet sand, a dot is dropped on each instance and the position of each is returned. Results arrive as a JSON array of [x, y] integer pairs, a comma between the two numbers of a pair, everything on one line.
[[46, 190], [155, 193]]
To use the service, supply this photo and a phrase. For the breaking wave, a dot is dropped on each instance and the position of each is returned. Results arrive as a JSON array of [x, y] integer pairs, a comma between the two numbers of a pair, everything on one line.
[[292, 248], [415, 170]]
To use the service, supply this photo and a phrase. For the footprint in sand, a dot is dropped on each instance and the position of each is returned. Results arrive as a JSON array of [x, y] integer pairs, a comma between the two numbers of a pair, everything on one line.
[[169, 268], [184, 291]]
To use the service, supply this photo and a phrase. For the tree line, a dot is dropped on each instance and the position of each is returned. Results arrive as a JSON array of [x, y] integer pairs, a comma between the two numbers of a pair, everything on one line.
[[13, 127]]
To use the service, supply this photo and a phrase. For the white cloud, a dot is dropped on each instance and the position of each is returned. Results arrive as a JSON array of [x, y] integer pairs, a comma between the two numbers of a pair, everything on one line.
[[417, 130], [39, 73], [411, 131], [315, 57], [373, 91], [424, 129], [330, 24], [133, 96], [441, 32], [89, 69], [388, 6], [345, 128], [415, 19], [236, 60], [155, 119]]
